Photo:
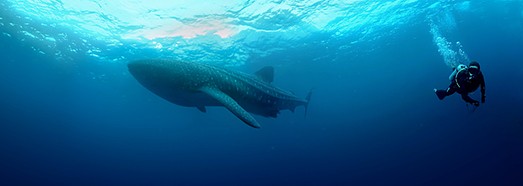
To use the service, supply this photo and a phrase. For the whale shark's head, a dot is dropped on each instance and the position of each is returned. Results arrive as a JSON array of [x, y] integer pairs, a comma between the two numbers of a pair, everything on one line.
[[143, 68], [157, 68], [176, 81], [160, 74]]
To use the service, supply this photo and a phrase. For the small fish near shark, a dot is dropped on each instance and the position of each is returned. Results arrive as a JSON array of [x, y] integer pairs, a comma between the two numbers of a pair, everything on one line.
[[199, 85]]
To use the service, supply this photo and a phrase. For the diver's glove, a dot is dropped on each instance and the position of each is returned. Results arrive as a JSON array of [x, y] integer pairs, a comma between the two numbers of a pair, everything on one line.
[[483, 99], [475, 103]]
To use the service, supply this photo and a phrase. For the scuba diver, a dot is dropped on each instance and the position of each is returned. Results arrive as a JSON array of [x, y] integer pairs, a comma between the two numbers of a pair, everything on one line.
[[465, 80]]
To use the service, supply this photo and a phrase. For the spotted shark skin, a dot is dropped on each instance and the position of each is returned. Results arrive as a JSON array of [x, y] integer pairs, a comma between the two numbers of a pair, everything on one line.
[[199, 85]]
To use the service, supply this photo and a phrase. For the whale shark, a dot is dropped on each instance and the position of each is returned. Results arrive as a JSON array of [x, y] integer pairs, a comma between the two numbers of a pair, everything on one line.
[[192, 84]]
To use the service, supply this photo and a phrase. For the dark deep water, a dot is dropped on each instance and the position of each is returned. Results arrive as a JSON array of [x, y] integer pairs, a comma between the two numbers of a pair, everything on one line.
[[373, 118]]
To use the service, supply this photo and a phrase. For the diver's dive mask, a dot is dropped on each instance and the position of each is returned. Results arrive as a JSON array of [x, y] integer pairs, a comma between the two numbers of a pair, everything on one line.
[[474, 68], [473, 71]]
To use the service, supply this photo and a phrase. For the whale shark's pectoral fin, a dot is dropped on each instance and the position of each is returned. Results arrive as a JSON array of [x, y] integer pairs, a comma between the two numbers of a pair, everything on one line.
[[231, 105]]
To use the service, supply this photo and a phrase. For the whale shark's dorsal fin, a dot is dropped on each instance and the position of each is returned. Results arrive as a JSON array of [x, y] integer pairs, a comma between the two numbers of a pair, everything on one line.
[[202, 108], [266, 74], [231, 105]]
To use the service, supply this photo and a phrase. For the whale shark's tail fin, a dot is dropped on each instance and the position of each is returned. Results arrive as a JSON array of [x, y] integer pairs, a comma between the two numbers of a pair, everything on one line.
[[308, 98]]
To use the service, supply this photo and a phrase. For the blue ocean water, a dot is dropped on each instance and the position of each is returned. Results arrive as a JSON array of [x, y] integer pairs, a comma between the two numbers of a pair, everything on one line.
[[71, 113]]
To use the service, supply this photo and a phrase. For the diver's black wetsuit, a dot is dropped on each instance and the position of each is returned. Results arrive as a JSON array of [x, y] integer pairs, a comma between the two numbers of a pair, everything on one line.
[[463, 83]]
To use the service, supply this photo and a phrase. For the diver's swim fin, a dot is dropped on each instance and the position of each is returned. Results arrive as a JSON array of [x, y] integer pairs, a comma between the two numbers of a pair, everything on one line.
[[440, 93]]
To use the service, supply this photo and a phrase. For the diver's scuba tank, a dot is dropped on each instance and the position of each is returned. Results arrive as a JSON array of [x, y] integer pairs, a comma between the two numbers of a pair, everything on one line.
[[456, 71]]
